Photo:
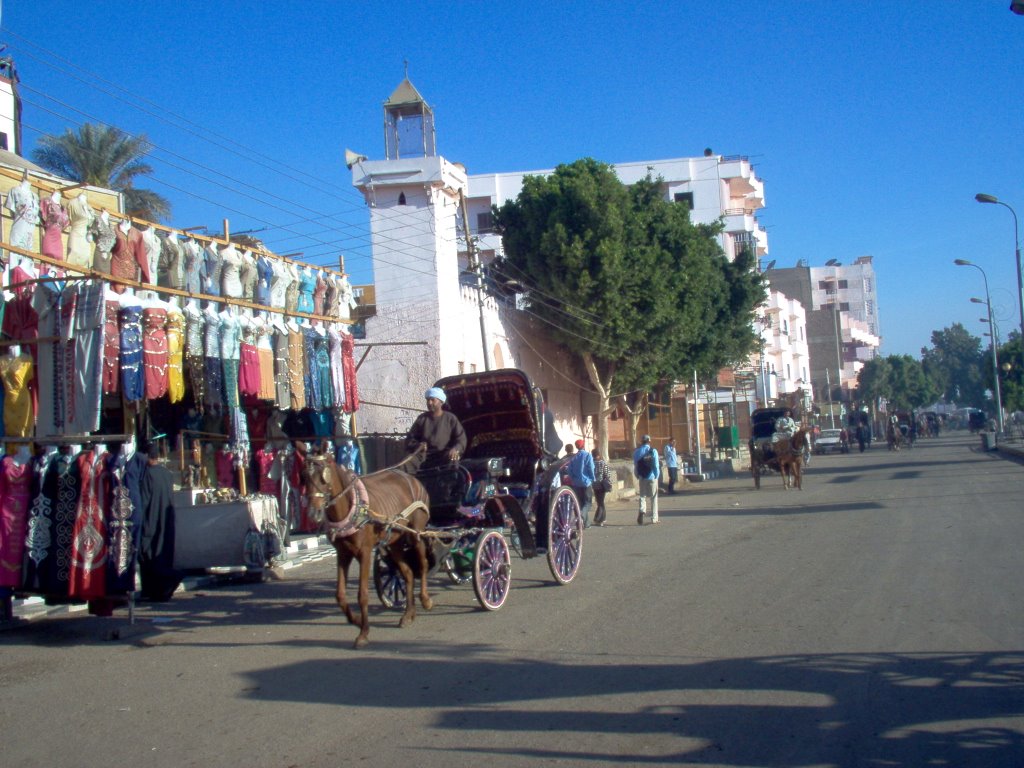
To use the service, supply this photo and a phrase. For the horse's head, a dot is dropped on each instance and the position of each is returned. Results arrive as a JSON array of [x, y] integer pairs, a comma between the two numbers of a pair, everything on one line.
[[324, 483]]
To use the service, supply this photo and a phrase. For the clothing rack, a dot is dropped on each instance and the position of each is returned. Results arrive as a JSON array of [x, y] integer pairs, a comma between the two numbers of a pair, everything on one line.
[[50, 187], [93, 274]]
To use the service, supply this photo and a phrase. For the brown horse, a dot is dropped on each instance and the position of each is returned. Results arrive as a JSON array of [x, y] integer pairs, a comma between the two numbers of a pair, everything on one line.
[[790, 457], [387, 509]]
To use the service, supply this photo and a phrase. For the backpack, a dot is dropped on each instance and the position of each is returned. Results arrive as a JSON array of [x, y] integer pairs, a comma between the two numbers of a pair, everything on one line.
[[645, 465]]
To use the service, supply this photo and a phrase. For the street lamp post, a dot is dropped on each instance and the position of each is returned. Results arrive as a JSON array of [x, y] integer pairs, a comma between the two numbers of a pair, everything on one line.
[[983, 198], [991, 324]]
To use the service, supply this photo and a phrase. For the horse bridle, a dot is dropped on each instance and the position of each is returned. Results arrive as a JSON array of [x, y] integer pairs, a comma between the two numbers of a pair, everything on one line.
[[321, 462]]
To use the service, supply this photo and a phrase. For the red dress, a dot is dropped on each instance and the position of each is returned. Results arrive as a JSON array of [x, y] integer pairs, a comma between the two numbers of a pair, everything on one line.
[[264, 463], [248, 370], [348, 364], [111, 348], [89, 538], [15, 482], [154, 351]]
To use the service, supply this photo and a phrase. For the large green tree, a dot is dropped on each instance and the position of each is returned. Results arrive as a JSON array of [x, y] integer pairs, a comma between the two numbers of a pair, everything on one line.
[[105, 156], [954, 365], [625, 281], [1011, 373], [898, 379]]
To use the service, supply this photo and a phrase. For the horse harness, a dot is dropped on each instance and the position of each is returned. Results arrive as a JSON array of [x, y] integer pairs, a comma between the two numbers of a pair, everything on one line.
[[359, 511]]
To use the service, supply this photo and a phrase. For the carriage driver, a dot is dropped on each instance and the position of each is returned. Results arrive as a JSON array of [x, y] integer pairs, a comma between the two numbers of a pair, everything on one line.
[[785, 427], [437, 429]]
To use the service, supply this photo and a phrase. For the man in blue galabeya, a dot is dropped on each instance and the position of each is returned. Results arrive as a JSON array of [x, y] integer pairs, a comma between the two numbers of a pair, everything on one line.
[[647, 470], [581, 479]]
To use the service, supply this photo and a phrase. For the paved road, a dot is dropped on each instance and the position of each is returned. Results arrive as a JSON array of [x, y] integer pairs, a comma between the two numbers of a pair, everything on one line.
[[871, 620]]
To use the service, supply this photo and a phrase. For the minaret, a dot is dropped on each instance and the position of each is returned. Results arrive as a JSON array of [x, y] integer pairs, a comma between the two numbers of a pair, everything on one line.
[[10, 106], [413, 196]]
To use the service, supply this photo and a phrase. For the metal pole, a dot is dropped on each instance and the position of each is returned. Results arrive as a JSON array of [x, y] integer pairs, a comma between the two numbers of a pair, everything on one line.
[[983, 198], [831, 410], [477, 267], [696, 418], [992, 337]]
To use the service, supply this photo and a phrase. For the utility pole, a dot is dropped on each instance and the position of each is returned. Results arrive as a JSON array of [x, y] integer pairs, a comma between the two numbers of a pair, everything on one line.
[[477, 268]]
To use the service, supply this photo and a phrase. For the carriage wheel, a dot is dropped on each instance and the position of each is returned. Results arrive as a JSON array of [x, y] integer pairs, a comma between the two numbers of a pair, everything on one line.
[[492, 570], [388, 581], [455, 576], [565, 536]]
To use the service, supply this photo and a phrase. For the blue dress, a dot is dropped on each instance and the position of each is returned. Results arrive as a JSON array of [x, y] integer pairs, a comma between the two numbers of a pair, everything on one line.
[[132, 379], [307, 284], [265, 273]]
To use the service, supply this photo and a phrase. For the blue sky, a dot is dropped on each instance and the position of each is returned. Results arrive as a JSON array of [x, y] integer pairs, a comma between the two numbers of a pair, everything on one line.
[[873, 124]]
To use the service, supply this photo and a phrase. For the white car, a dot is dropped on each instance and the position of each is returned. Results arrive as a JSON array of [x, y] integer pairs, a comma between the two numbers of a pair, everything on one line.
[[832, 440]]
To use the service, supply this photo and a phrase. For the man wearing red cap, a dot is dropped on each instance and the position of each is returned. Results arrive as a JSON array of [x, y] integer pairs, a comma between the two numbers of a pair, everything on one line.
[[581, 479]]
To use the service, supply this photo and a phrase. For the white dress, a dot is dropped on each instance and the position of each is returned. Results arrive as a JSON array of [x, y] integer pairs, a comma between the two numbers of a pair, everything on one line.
[[231, 264]]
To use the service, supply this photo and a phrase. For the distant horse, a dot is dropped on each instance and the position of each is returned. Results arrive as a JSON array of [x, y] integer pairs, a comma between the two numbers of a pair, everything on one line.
[[894, 436], [790, 457], [385, 509]]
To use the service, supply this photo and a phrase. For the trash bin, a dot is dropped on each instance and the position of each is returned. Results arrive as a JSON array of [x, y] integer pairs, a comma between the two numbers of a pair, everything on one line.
[[988, 441]]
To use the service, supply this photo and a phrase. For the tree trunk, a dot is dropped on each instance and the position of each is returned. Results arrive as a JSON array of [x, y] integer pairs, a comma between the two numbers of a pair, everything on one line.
[[604, 400]]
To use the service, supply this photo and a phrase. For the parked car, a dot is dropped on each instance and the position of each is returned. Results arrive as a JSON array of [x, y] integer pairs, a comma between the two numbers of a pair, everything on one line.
[[831, 440]]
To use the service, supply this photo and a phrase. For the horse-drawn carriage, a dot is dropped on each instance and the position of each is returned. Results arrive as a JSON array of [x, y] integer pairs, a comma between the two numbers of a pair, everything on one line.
[[499, 496], [787, 458], [900, 430]]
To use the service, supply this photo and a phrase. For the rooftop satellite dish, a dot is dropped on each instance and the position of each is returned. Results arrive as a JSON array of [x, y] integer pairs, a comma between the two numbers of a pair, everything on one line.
[[771, 265], [351, 158], [832, 263]]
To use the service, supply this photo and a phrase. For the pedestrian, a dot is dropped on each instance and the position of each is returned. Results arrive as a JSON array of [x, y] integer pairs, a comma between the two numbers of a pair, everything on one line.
[[602, 486], [646, 469], [570, 449], [672, 464], [580, 470]]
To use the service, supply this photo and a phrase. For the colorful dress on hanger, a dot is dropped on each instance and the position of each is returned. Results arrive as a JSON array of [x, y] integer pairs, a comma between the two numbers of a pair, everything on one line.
[[48, 561], [320, 294], [52, 362], [104, 237], [230, 352], [84, 403], [89, 538], [195, 327], [323, 371], [249, 363], [307, 285], [211, 362], [15, 375], [230, 275], [171, 267], [214, 267], [128, 257], [249, 275], [39, 535], [123, 521], [296, 369], [132, 378], [348, 345], [152, 245], [23, 203], [154, 351], [81, 216], [111, 347], [55, 221], [291, 293], [226, 469], [175, 356], [15, 488], [265, 357], [265, 275], [331, 297], [337, 366], [282, 377], [195, 266], [267, 482]]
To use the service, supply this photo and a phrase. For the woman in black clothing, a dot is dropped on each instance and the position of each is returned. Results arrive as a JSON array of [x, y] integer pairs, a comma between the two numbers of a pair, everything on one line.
[[602, 484]]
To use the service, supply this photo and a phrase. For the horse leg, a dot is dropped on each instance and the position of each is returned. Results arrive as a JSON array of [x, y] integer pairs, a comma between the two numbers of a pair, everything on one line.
[[343, 562], [365, 559], [409, 578], [421, 555], [798, 475]]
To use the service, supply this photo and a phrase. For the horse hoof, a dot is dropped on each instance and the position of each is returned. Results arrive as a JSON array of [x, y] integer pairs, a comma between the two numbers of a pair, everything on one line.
[[405, 622], [428, 604], [361, 642]]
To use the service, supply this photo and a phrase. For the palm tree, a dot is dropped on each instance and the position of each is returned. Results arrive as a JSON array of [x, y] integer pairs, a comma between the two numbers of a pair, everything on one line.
[[104, 156]]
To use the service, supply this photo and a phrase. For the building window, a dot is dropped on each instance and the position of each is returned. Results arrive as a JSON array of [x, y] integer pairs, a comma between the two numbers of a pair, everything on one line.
[[789, 373], [3, 140], [867, 284], [844, 284], [485, 222], [685, 197], [844, 306], [401, 198]]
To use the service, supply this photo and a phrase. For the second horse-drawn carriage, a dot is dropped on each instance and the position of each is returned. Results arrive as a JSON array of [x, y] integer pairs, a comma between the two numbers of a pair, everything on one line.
[[786, 459]]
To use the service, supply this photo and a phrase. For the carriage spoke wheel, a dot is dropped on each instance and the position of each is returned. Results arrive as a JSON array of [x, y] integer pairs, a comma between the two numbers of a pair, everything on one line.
[[492, 570], [565, 536], [453, 572], [388, 581]]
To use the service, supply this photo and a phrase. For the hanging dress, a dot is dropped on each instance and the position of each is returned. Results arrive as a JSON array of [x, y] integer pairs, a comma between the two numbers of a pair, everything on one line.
[[195, 327], [230, 353], [337, 367], [320, 295], [265, 275], [214, 266], [87, 394], [15, 488], [175, 356], [195, 266], [89, 537], [154, 351], [249, 276], [265, 356], [349, 366], [282, 376], [23, 204], [280, 279], [212, 364], [128, 257], [321, 353], [111, 347], [307, 285], [39, 537], [103, 231], [55, 221], [230, 275], [15, 375], [296, 369], [171, 267], [152, 246], [249, 362], [291, 293], [132, 379], [60, 485], [52, 369], [81, 215]]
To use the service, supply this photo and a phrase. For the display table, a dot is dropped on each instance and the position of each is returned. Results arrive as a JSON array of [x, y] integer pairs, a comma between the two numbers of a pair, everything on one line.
[[214, 535]]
